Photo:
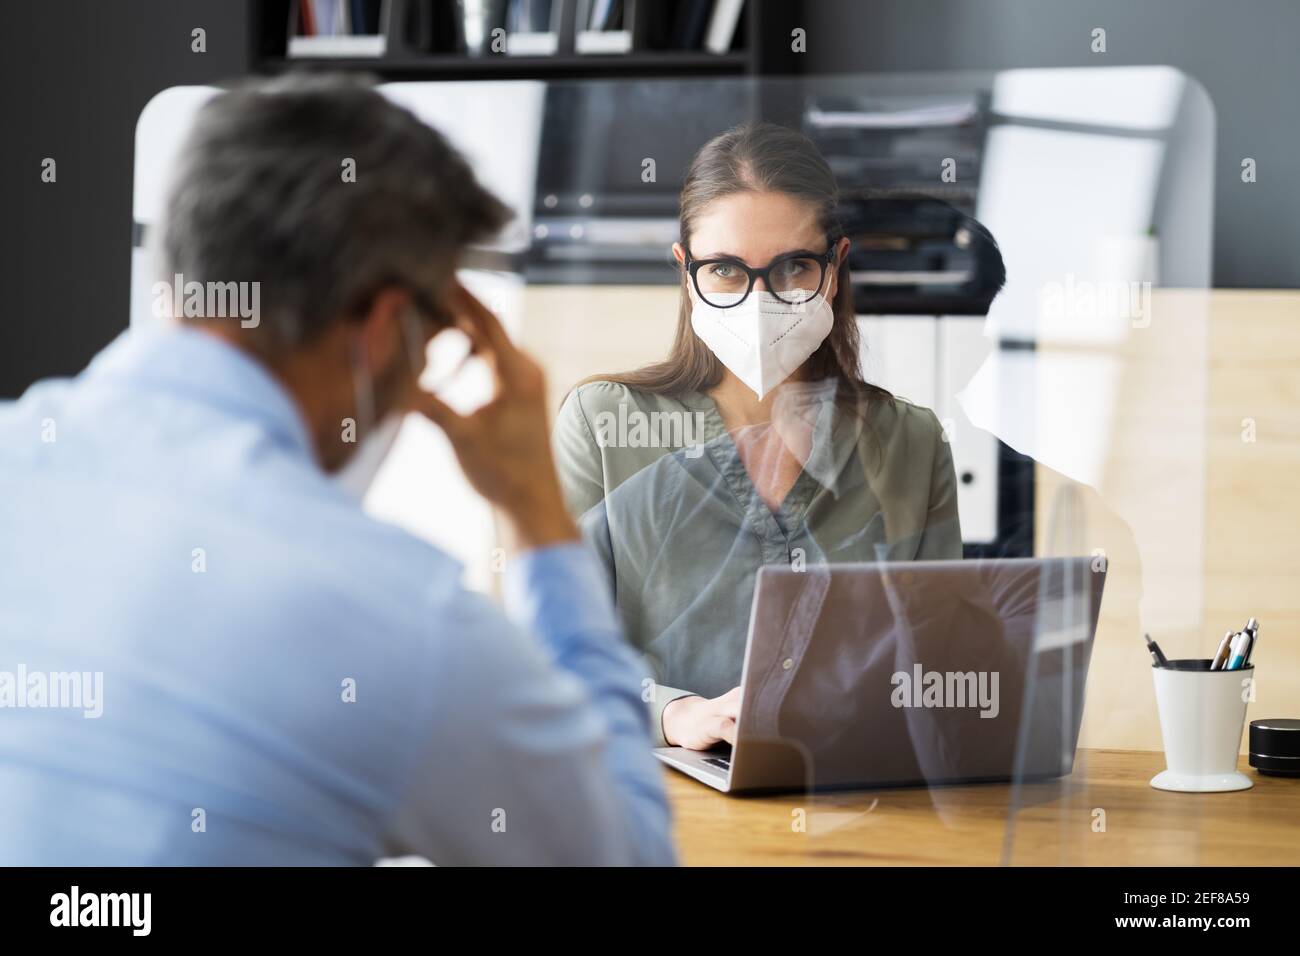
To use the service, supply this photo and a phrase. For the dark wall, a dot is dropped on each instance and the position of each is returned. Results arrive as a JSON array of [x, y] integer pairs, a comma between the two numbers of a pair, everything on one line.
[[1244, 53], [74, 75]]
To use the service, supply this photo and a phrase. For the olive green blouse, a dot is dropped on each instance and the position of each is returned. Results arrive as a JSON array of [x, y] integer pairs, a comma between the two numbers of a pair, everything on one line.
[[661, 494]]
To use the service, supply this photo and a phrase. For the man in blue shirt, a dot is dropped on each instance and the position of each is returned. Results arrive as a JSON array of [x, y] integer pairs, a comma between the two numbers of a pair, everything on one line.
[[208, 653]]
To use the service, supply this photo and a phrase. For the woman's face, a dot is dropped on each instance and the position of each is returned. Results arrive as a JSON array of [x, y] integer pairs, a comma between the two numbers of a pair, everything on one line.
[[756, 227]]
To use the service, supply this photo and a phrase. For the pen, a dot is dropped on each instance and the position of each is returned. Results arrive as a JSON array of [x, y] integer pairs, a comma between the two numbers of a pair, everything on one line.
[[1225, 648], [1157, 655], [1238, 658], [1252, 629]]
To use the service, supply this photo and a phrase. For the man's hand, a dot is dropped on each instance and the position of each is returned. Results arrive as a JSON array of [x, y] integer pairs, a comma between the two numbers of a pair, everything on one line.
[[504, 447], [697, 723]]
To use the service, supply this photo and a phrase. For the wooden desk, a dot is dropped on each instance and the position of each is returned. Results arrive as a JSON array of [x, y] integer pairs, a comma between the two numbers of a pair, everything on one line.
[[968, 825]]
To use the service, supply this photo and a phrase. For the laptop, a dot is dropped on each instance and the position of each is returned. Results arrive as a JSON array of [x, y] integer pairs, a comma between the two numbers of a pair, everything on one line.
[[909, 673]]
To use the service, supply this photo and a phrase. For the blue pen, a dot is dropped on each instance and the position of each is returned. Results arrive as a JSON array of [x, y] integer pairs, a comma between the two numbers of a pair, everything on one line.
[[1238, 657]]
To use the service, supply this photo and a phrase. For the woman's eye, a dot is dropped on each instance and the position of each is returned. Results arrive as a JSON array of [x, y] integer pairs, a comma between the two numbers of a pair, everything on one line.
[[722, 270]]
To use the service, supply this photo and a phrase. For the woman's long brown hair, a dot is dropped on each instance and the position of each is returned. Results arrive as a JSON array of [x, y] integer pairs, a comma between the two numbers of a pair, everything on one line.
[[758, 157]]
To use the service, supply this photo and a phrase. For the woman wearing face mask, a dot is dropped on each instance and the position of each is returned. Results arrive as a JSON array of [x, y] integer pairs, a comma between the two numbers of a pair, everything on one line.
[[756, 441]]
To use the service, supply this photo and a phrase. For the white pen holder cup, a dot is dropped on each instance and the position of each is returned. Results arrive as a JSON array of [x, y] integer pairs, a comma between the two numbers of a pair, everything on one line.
[[1202, 714]]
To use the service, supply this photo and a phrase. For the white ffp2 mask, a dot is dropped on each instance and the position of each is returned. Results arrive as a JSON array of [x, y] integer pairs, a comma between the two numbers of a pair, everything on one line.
[[763, 340]]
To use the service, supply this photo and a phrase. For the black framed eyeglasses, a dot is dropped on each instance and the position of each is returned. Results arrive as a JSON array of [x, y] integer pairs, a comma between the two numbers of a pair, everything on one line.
[[793, 277]]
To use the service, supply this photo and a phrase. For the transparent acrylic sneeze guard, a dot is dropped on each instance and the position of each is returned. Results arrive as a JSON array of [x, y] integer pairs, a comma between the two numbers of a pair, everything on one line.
[[1097, 186]]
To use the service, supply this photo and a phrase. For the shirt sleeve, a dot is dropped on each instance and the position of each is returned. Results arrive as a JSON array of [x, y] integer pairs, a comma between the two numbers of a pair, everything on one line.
[[595, 530], [577, 457], [663, 696], [538, 745], [941, 538]]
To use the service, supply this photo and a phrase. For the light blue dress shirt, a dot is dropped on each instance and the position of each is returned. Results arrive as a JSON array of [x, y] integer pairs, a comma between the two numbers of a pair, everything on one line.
[[281, 679]]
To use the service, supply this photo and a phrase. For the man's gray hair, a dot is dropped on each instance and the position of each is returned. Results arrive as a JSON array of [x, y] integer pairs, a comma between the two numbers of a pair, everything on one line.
[[261, 194]]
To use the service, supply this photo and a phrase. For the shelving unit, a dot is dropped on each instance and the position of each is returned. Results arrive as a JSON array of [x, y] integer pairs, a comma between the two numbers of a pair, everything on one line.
[[402, 59]]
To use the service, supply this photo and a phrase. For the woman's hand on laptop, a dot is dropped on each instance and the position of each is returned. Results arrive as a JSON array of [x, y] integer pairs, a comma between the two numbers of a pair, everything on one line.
[[698, 723]]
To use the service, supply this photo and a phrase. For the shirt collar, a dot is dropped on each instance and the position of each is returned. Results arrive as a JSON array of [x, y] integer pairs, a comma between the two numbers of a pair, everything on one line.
[[185, 361], [837, 429]]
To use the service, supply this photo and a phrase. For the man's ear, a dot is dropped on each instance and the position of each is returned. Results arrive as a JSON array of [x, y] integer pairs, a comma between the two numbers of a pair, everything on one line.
[[380, 329]]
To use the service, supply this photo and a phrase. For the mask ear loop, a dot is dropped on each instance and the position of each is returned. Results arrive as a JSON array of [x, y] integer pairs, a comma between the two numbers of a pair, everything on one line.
[[414, 341], [363, 397]]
